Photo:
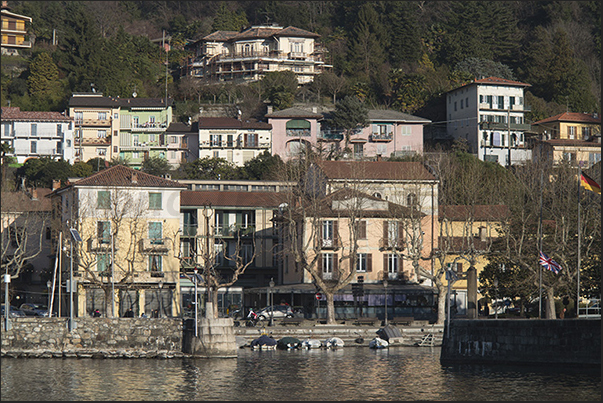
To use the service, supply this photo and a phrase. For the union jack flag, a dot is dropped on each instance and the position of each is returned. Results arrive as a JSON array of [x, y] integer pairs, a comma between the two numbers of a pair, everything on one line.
[[549, 263]]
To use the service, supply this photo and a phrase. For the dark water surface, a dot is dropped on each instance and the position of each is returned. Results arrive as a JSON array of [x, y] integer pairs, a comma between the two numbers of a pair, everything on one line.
[[400, 373]]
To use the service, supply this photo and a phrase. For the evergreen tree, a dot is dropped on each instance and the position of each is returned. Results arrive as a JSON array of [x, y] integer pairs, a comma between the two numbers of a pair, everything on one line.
[[43, 82], [227, 20]]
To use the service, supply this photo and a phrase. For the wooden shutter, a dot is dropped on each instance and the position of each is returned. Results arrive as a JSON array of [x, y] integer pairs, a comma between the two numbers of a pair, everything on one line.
[[362, 229], [385, 269], [400, 234], [459, 267], [400, 265], [369, 262], [335, 266], [385, 231], [335, 233]]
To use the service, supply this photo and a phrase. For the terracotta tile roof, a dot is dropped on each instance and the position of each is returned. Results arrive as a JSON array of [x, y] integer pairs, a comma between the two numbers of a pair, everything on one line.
[[14, 113], [231, 199], [571, 117], [293, 31], [387, 114], [501, 81], [572, 143], [22, 202], [220, 36], [178, 127], [231, 123], [120, 175], [480, 212], [375, 170]]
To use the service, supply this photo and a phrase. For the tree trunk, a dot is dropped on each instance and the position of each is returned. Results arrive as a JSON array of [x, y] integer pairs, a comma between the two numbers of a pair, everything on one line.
[[211, 306], [330, 308], [550, 304], [442, 295]]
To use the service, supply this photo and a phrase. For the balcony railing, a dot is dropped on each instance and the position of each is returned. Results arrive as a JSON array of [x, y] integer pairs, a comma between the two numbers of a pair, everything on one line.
[[329, 243], [388, 243], [330, 135], [159, 246], [382, 136], [102, 245], [504, 126], [92, 122], [189, 230], [234, 230]]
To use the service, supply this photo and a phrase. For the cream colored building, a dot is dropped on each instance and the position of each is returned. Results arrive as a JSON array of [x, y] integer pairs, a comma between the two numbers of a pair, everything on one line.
[[129, 224]]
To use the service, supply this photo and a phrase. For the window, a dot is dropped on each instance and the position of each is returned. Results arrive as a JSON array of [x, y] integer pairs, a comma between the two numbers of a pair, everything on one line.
[[358, 150], [102, 115], [251, 140], [135, 121], [101, 134], [462, 103], [467, 102], [151, 137], [215, 140], [103, 199], [103, 262], [585, 132], [406, 130], [135, 155], [172, 155], [155, 263], [501, 102], [329, 234], [364, 263], [392, 263], [79, 118], [59, 130], [571, 132], [392, 234], [151, 119], [329, 265], [103, 231], [173, 139], [68, 143], [34, 129], [456, 267], [33, 147], [216, 154], [246, 253], [155, 233], [511, 102], [116, 116], [101, 151], [489, 100], [455, 106], [154, 201]]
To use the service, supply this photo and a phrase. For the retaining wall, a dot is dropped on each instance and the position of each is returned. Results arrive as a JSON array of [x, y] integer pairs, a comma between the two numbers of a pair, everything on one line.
[[108, 337], [571, 342]]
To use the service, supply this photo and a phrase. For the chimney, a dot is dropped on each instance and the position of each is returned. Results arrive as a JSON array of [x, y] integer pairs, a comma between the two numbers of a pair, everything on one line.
[[315, 109], [56, 184], [34, 194], [134, 177], [378, 157], [269, 109]]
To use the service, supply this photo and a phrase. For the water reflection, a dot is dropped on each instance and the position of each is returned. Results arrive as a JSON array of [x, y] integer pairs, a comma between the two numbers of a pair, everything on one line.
[[401, 373]]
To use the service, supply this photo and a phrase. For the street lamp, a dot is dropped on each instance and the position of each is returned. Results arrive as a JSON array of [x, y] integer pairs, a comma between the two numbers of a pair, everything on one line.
[[48, 285], [495, 298], [196, 305], [385, 287], [160, 298], [271, 300]]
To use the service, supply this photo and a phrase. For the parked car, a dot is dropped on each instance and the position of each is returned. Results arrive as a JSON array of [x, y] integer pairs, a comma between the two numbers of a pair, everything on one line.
[[278, 311], [13, 312], [31, 309]]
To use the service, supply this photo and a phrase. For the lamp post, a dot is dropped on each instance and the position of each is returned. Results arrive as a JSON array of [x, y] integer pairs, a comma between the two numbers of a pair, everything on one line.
[[75, 237], [385, 287], [196, 307], [160, 285], [48, 285], [7, 325], [495, 298], [271, 301]]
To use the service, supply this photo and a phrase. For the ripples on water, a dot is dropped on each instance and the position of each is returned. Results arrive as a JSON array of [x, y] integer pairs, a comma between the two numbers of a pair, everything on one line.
[[401, 373]]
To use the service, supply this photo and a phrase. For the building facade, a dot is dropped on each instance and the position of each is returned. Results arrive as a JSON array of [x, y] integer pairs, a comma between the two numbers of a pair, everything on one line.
[[489, 115], [38, 134], [128, 255], [249, 54], [15, 31], [237, 141], [570, 136]]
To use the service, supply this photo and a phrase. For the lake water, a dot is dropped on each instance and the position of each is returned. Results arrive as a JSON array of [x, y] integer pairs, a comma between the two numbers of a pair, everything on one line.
[[349, 373]]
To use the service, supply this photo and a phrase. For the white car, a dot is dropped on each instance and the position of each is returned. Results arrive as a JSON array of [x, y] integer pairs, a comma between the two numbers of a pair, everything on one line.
[[279, 311]]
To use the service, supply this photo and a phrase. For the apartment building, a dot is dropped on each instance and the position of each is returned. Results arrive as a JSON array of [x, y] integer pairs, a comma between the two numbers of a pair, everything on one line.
[[129, 128], [15, 31], [249, 54], [489, 114], [235, 140], [127, 255], [35, 134], [570, 136]]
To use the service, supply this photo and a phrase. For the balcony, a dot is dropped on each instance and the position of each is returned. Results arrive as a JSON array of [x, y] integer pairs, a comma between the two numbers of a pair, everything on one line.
[[146, 127], [234, 231], [154, 246], [329, 243], [330, 135], [389, 244], [504, 126], [381, 137], [189, 230], [92, 122], [101, 245]]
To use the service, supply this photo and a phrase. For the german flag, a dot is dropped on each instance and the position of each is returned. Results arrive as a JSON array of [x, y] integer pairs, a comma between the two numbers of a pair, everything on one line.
[[589, 184]]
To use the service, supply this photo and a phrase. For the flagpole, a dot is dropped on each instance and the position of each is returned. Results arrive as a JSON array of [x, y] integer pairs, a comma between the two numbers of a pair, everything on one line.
[[540, 247], [579, 236]]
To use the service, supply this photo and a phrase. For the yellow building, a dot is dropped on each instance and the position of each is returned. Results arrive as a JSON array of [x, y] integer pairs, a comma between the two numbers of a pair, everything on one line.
[[128, 256], [15, 33], [575, 137], [466, 236]]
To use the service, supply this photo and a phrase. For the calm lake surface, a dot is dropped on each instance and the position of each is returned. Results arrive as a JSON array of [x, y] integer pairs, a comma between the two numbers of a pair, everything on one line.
[[350, 373]]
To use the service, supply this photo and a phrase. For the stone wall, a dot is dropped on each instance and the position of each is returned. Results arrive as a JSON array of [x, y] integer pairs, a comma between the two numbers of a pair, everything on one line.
[[113, 337], [571, 342]]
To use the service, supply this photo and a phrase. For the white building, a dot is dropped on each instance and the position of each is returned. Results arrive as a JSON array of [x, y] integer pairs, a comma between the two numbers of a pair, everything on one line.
[[489, 114], [247, 55], [35, 134], [237, 141]]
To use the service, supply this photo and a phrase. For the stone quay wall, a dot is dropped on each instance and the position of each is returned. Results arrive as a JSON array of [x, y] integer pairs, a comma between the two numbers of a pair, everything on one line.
[[570, 342], [93, 337]]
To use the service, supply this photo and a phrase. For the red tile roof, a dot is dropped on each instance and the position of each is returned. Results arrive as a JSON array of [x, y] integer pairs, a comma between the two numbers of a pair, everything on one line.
[[501, 81], [15, 113], [120, 175], [231, 199], [22, 202], [477, 212], [375, 170], [571, 117]]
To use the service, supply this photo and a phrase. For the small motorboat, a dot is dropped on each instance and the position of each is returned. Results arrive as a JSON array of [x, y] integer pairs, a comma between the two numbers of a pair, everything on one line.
[[263, 343], [311, 343], [288, 343], [378, 342], [333, 342]]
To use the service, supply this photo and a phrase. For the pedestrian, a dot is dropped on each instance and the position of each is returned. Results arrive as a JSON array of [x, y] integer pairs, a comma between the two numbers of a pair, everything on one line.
[[96, 313], [562, 314]]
